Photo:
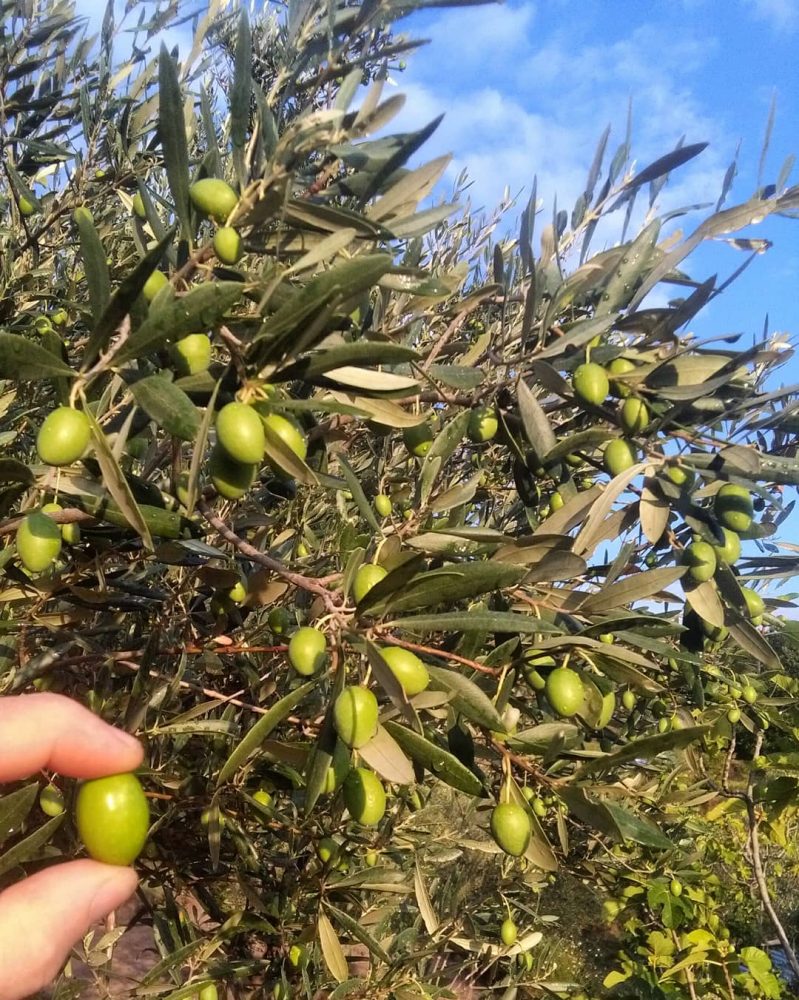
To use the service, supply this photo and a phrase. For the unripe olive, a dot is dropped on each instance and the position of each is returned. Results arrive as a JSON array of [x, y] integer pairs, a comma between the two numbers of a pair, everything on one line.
[[240, 432], [355, 716], [618, 456], [364, 796], [680, 476], [231, 479], [367, 576], [51, 800], [508, 932], [590, 383], [565, 691], [278, 620], [289, 433], [213, 197], [227, 245], [511, 828], [191, 354], [407, 668], [154, 284], [26, 206], [383, 504], [754, 603], [113, 818], [38, 542], [308, 650], [138, 206], [701, 560], [63, 437], [483, 424], [732, 506], [634, 415], [327, 850], [730, 551], [418, 439]]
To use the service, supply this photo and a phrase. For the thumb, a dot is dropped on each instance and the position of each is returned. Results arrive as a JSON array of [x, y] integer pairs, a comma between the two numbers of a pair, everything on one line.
[[43, 916]]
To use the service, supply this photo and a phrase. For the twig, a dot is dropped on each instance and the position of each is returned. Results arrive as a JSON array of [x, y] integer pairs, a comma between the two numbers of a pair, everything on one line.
[[331, 601], [757, 865]]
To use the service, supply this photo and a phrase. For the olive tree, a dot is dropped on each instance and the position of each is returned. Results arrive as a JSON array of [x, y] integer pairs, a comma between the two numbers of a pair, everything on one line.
[[426, 562]]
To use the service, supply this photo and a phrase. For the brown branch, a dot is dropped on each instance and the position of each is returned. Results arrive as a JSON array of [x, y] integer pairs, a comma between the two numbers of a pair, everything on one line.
[[331, 601], [70, 515]]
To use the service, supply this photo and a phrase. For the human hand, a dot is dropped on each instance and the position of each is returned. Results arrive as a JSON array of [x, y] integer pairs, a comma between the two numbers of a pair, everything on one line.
[[43, 916]]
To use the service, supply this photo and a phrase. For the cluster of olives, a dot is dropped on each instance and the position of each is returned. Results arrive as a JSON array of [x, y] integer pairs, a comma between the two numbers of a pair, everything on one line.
[[355, 718], [483, 426], [241, 445]]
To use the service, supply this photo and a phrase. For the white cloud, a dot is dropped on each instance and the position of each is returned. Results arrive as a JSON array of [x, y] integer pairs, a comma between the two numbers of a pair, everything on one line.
[[520, 103], [781, 15]]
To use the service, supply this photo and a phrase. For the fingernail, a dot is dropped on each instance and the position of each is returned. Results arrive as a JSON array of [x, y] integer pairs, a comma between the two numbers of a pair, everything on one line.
[[112, 893]]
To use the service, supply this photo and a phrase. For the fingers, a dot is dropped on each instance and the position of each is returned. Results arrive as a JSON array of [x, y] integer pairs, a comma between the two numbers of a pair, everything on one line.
[[49, 731], [42, 917]]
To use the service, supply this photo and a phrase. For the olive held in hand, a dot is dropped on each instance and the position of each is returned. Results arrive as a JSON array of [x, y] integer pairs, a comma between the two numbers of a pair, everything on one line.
[[618, 456], [227, 245], [38, 542], [701, 560], [565, 691], [407, 668], [483, 424], [634, 415], [418, 439], [289, 433], [355, 716], [733, 507], [366, 577], [63, 437], [240, 431], [511, 828], [364, 796], [730, 551], [113, 818], [213, 197], [191, 354], [154, 284], [590, 383], [508, 932], [231, 479], [308, 650]]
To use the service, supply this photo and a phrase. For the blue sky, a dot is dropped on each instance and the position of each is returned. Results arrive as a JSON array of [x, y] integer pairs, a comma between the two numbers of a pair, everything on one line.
[[527, 89]]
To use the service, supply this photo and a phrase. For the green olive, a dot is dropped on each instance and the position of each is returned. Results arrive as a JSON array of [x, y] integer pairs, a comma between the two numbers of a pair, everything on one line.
[[63, 437], [213, 197], [38, 542], [113, 817], [240, 431], [308, 650]]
